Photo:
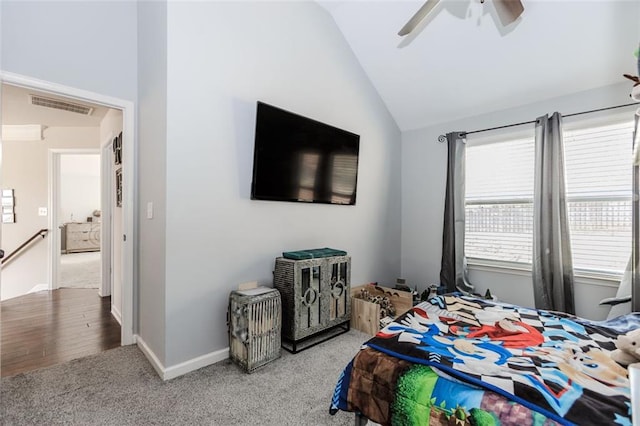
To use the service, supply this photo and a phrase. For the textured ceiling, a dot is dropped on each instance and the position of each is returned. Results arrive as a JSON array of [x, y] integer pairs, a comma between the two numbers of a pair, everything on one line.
[[464, 63]]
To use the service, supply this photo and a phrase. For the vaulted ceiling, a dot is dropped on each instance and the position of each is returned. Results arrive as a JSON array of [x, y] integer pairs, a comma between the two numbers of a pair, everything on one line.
[[463, 62]]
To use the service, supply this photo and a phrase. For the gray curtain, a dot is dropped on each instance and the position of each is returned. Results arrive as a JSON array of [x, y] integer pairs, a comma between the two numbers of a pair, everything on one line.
[[453, 269], [552, 263]]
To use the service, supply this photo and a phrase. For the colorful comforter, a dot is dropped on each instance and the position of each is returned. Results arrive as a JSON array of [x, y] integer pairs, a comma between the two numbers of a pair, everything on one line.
[[461, 360]]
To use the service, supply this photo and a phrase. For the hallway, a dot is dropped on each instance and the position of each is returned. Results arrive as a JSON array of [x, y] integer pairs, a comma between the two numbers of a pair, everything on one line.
[[51, 327]]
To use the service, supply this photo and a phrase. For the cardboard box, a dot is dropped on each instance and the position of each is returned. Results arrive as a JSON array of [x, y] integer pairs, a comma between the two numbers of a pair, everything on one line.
[[365, 315]]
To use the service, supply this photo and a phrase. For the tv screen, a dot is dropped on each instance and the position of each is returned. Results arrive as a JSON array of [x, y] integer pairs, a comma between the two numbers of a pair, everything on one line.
[[299, 159]]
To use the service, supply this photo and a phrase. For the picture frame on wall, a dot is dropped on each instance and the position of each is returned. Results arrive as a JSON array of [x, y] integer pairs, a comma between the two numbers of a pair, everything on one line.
[[119, 187], [8, 206], [117, 149]]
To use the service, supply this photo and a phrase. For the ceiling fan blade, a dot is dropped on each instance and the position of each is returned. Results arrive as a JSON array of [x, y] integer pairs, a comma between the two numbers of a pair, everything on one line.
[[508, 10], [418, 16]]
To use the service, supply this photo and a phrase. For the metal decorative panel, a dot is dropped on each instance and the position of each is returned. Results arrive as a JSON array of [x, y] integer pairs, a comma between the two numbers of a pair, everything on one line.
[[255, 320], [315, 294]]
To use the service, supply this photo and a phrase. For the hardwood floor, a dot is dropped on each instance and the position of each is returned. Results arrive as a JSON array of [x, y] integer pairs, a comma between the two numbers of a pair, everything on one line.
[[51, 327]]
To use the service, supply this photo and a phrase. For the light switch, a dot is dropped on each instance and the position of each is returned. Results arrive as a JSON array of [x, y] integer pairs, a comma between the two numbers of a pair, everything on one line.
[[149, 210], [42, 211]]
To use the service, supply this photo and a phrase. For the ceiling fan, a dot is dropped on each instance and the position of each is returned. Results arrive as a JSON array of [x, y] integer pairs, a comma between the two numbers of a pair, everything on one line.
[[508, 11]]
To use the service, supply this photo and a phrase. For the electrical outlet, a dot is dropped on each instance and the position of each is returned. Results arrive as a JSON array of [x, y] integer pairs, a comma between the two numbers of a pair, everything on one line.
[[42, 211]]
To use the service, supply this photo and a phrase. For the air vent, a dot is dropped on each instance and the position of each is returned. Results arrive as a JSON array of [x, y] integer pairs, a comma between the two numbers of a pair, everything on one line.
[[57, 104]]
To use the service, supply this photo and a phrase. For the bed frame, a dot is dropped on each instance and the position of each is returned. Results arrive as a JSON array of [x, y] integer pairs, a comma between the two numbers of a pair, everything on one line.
[[361, 420]]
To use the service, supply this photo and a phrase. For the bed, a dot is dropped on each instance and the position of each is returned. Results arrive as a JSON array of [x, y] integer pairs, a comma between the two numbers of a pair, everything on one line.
[[461, 360]]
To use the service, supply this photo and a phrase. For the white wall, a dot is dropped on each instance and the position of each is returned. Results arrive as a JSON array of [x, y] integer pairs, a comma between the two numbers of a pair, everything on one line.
[[25, 169], [423, 191], [79, 187], [222, 58]]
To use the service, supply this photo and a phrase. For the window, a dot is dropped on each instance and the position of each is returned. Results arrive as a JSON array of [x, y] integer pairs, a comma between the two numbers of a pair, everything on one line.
[[499, 201], [499, 198], [599, 178]]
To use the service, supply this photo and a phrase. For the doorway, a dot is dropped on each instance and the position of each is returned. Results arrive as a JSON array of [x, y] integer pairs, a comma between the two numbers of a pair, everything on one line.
[[79, 218], [126, 238]]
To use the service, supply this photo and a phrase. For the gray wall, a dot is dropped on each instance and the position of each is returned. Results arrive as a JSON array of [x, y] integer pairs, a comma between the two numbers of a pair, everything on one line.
[[152, 132], [222, 58], [423, 184], [203, 83], [87, 45], [199, 77]]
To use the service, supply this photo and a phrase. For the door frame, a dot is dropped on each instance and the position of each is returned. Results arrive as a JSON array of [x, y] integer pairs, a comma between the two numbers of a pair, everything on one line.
[[129, 187], [106, 202]]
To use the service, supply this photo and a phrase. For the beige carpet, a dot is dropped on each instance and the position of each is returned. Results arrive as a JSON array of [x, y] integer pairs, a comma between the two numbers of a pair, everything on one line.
[[80, 270]]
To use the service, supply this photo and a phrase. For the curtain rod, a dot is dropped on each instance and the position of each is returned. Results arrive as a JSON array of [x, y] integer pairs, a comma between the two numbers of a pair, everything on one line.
[[442, 138]]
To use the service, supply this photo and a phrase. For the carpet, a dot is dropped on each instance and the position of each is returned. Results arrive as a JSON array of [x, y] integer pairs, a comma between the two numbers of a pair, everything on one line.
[[80, 270], [120, 387]]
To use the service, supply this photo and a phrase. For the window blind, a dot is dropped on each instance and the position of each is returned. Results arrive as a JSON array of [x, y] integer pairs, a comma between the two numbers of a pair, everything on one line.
[[599, 172], [499, 194]]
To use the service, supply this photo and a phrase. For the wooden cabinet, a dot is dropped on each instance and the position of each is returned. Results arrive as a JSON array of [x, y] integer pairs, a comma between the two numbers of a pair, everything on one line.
[[315, 299], [81, 237]]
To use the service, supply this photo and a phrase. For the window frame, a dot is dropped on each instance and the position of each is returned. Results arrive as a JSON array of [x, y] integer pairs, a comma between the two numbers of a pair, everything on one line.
[[596, 277]]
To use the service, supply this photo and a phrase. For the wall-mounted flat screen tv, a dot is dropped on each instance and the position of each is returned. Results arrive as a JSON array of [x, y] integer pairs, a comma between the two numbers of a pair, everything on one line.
[[299, 159]]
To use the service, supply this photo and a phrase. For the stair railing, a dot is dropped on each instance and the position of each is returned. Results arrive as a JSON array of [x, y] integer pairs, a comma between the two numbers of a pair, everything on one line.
[[41, 233]]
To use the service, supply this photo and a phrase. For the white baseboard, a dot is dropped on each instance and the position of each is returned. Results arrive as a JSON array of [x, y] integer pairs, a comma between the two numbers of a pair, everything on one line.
[[39, 287], [168, 373], [116, 314], [196, 363], [153, 359]]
